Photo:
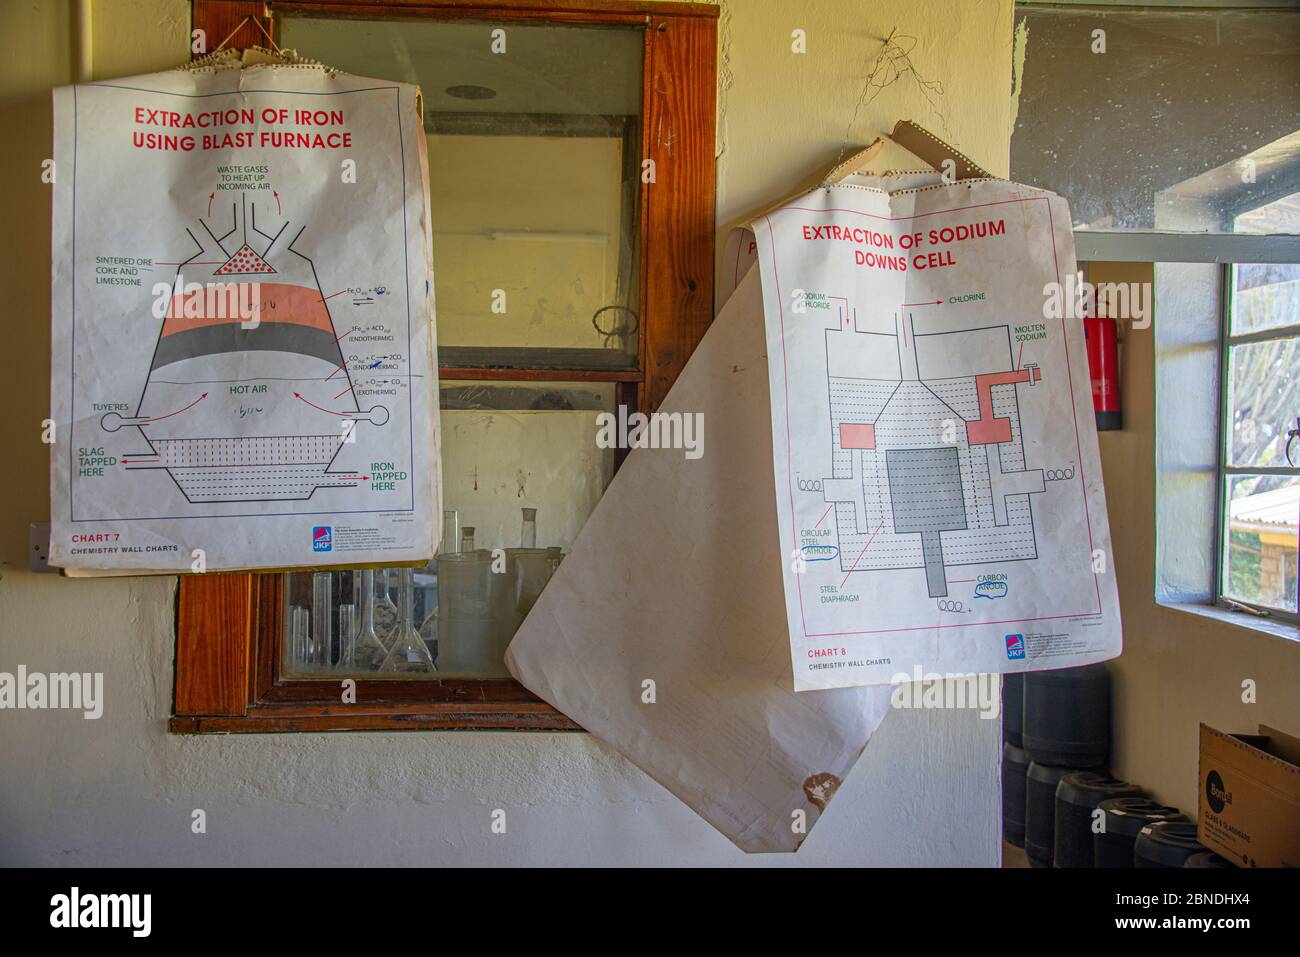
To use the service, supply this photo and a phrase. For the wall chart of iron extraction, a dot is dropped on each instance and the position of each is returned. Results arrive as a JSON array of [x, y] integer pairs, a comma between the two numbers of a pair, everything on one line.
[[937, 476], [225, 346]]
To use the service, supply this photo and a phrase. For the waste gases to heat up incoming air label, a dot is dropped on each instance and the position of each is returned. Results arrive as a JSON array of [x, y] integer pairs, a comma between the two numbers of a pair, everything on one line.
[[242, 323], [938, 484]]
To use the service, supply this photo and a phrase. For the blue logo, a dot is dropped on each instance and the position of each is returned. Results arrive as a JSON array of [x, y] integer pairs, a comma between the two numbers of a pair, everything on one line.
[[322, 538], [1015, 646]]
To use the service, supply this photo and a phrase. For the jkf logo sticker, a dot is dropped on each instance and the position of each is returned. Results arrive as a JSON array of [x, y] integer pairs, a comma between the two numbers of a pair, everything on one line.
[[1015, 646], [322, 538]]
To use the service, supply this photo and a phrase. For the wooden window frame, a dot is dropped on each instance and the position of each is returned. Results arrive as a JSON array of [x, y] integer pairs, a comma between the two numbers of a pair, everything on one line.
[[228, 626]]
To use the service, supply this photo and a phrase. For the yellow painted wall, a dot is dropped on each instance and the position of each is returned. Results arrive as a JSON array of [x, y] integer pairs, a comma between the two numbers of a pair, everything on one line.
[[785, 118], [121, 790]]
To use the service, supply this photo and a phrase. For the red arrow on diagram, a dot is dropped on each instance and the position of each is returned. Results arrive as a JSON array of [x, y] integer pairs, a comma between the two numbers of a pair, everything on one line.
[[159, 418], [346, 415]]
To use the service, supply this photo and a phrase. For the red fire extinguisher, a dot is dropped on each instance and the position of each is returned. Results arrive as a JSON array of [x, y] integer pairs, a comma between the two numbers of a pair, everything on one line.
[[1102, 335]]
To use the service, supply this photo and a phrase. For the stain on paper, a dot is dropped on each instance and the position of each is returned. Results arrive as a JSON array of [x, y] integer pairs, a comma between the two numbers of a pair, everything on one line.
[[820, 788]]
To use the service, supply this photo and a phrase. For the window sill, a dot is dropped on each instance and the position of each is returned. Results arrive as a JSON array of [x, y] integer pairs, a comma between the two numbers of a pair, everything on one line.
[[1276, 627], [284, 719]]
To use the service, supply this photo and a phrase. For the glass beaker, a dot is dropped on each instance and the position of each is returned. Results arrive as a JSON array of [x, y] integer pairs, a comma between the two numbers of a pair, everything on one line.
[[532, 568], [467, 538], [407, 652], [528, 532], [466, 612]]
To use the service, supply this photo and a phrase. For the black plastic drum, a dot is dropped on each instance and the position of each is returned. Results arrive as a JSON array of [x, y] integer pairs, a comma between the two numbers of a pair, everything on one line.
[[1015, 765], [1166, 844], [1124, 817], [1013, 708], [1040, 811], [1077, 797], [1067, 716]]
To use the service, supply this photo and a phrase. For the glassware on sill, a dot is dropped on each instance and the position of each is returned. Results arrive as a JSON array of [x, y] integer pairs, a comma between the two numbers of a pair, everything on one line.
[[450, 531], [429, 634], [299, 638], [481, 604], [407, 653], [385, 610], [450, 542], [467, 538], [530, 568], [533, 568], [528, 532], [369, 650], [347, 637], [322, 619], [466, 612]]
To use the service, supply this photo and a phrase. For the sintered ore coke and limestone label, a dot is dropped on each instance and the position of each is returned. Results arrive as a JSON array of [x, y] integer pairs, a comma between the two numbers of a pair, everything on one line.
[[938, 483], [242, 322]]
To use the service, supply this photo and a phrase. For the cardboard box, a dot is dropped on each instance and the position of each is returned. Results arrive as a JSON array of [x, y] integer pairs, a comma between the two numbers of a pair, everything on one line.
[[1250, 797]]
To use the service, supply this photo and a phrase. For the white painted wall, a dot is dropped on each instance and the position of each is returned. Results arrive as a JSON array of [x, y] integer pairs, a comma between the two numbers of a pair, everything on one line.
[[121, 790]]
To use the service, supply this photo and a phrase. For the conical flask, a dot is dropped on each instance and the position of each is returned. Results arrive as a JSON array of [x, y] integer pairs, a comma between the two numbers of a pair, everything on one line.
[[407, 653], [369, 652], [385, 610]]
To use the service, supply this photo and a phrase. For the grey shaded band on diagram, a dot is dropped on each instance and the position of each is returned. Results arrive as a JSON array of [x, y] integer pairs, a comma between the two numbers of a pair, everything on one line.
[[231, 337]]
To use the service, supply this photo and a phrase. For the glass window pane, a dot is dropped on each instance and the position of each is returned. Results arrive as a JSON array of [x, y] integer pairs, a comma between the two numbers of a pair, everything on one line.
[[1265, 296], [506, 445], [526, 251], [1263, 400], [1158, 118], [534, 169], [1260, 547], [1279, 216], [521, 472]]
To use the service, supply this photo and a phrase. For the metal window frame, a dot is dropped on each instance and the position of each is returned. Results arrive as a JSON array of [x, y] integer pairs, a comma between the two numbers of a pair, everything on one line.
[[1223, 469], [1161, 6], [1225, 250], [1156, 246]]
